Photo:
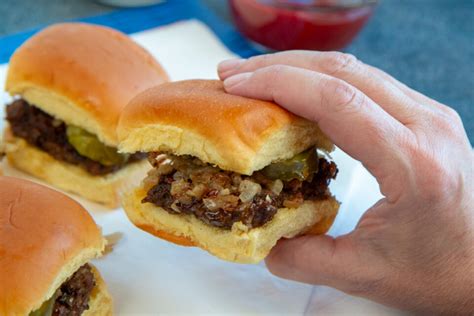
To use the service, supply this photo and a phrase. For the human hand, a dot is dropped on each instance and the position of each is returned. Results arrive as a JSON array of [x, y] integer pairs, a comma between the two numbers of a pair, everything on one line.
[[414, 249]]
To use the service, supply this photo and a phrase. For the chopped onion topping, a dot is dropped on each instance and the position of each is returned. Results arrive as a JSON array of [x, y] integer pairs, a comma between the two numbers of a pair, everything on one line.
[[276, 186], [210, 204], [198, 191], [175, 207], [248, 190]]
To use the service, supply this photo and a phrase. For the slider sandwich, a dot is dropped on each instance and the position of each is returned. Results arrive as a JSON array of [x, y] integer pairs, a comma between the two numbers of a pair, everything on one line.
[[231, 175], [46, 242], [70, 83]]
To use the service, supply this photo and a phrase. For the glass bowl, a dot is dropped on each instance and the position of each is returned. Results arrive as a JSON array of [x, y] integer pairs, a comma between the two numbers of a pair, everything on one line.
[[301, 24]]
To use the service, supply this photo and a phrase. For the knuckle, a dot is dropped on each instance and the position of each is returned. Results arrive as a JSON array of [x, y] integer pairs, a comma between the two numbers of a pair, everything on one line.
[[342, 97], [336, 62], [448, 122], [432, 176], [452, 114]]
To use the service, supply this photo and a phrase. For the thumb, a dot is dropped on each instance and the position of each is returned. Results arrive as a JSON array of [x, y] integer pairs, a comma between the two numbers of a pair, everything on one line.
[[320, 260]]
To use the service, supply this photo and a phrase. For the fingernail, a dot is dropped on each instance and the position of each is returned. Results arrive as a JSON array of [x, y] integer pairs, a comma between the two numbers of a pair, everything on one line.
[[230, 64], [234, 81]]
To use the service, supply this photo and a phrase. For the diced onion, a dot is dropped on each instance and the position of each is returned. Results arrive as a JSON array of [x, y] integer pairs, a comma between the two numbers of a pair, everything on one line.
[[175, 207], [165, 168], [179, 187], [210, 204], [276, 186], [197, 191], [152, 179], [248, 190]]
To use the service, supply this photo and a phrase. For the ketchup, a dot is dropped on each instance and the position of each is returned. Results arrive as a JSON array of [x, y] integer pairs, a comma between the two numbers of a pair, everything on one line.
[[282, 28]]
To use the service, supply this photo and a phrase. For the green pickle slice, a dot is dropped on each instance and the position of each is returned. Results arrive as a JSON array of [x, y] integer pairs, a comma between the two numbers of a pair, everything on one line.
[[300, 167], [46, 309], [90, 146]]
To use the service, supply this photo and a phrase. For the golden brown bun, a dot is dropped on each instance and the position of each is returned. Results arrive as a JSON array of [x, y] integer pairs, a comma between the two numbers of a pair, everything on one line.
[[197, 117], [107, 189], [83, 74], [239, 244], [45, 237], [100, 301]]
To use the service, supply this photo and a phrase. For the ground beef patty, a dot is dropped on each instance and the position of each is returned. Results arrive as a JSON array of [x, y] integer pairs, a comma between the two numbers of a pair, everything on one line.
[[74, 294], [221, 198], [48, 134]]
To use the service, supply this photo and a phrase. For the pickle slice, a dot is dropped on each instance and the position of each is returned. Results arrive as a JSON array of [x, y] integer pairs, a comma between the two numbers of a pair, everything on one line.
[[46, 309], [300, 167], [90, 146]]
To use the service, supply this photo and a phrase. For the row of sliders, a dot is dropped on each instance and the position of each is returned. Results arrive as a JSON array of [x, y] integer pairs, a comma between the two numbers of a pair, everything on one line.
[[94, 114]]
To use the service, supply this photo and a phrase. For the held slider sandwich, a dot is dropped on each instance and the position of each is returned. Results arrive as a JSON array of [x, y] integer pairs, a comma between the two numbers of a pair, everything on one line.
[[71, 82], [46, 243], [231, 175]]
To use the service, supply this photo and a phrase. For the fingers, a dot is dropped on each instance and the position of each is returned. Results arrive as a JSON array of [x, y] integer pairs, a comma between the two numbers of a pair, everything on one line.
[[317, 260], [343, 66], [349, 118]]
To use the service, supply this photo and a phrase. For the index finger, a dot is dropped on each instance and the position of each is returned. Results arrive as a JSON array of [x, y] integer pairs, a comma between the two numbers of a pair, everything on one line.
[[349, 118], [343, 66]]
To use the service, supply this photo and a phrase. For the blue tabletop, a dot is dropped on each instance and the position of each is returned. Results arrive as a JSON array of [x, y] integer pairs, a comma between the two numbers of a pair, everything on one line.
[[427, 44]]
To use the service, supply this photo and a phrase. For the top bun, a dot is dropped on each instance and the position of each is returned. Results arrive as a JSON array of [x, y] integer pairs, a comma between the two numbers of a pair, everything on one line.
[[45, 237], [82, 74], [198, 118]]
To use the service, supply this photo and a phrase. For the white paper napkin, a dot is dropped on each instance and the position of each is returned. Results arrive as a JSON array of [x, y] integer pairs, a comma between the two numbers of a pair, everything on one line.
[[149, 276]]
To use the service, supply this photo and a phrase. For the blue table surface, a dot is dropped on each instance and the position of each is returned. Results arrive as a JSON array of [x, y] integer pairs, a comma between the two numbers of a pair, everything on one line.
[[427, 44]]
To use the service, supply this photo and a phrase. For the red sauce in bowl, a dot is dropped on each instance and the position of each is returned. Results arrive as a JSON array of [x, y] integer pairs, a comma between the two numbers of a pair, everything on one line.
[[281, 27]]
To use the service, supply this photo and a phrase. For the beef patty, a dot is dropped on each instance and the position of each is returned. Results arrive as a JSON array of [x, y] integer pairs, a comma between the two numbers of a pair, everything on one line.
[[49, 134], [73, 296], [185, 185]]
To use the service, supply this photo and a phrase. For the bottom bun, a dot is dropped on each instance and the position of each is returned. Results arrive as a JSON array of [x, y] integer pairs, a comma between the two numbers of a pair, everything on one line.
[[240, 244], [106, 189], [100, 302]]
